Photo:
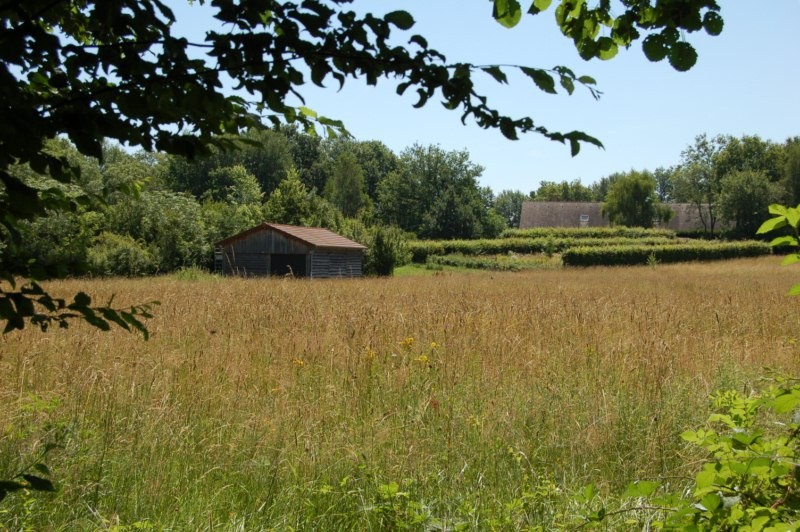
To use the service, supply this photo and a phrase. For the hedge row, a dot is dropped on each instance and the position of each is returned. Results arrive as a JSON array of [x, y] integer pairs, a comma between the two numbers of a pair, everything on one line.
[[422, 249], [509, 263], [474, 262], [638, 254], [588, 232]]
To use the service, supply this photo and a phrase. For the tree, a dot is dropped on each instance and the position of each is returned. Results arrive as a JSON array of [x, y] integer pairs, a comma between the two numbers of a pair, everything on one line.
[[345, 188], [632, 201], [564, 191], [508, 204], [697, 180], [744, 200], [751, 153], [435, 194], [665, 184], [264, 154], [791, 171], [90, 71]]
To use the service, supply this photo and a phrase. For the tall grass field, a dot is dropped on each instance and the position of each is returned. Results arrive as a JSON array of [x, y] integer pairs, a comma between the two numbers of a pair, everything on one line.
[[447, 402]]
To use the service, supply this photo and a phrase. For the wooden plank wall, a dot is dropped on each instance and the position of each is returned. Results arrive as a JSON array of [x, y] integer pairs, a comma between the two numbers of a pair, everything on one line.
[[336, 263]]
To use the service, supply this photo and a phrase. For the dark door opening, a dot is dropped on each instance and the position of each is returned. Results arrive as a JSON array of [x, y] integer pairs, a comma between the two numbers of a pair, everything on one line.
[[288, 264]]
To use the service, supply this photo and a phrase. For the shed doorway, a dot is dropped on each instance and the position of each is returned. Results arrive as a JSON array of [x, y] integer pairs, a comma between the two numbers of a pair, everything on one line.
[[288, 264]]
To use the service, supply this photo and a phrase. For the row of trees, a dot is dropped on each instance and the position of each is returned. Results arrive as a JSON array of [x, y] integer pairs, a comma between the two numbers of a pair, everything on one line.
[[728, 179], [144, 213], [164, 212]]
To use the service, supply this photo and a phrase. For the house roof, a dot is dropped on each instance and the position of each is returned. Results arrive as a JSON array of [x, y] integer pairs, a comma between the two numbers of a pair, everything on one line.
[[560, 214], [313, 236]]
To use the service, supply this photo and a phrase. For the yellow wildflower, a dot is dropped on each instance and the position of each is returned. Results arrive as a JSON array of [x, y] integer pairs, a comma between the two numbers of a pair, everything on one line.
[[299, 363], [422, 359], [408, 343]]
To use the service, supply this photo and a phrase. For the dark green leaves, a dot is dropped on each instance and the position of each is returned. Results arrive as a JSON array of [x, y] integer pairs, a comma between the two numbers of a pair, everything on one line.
[[713, 23], [401, 19], [33, 304], [654, 47], [541, 78], [682, 56]]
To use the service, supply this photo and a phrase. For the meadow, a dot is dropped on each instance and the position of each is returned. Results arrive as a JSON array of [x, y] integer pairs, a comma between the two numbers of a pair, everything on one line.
[[448, 401]]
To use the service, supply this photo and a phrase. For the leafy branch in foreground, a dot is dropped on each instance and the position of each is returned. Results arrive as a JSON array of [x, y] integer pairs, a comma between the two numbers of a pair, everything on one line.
[[785, 217], [31, 302], [751, 479]]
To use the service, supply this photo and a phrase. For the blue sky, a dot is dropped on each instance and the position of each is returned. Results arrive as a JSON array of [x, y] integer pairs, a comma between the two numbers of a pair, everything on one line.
[[746, 81]]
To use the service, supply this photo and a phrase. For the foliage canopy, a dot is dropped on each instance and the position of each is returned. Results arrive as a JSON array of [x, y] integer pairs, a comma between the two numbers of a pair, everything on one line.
[[89, 71]]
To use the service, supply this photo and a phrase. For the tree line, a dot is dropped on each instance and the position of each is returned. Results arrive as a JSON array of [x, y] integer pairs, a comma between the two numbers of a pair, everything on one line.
[[143, 213], [729, 180]]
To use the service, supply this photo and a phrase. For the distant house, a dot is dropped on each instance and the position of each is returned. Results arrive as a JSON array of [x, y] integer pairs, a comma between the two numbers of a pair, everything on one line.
[[277, 249], [590, 214], [561, 214]]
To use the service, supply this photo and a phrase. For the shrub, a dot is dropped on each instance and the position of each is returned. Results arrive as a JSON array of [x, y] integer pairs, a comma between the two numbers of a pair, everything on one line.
[[628, 255], [114, 254]]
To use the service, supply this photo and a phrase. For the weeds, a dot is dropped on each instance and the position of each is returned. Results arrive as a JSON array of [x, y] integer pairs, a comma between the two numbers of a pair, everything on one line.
[[458, 401]]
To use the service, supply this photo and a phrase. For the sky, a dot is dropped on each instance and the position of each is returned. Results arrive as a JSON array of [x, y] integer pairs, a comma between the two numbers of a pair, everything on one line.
[[746, 82]]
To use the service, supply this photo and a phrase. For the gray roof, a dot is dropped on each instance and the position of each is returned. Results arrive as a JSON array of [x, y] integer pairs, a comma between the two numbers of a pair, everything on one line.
[[561, 214], [568, 214]]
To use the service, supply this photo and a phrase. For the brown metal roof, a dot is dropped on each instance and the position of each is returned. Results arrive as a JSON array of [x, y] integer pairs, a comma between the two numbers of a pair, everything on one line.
[[314, 236]]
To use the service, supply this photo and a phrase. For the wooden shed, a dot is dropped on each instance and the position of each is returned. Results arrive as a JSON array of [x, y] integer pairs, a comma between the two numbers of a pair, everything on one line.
[[277, 249]]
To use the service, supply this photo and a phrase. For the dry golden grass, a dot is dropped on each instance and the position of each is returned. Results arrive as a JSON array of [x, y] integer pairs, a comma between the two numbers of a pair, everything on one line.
[[252, 393]]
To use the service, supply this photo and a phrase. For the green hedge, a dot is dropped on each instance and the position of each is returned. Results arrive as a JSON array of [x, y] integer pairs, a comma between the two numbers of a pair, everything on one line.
[[422, 249], [511, 263], [638, 254], [588, 232]]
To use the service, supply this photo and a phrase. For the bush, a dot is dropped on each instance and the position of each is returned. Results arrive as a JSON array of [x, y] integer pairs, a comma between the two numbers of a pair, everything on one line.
[[387, 247], [629, 255], [114, 254], [387, 251]]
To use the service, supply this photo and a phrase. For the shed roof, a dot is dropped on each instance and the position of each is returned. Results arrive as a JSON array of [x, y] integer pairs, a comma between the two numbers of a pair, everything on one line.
[[314, 236]]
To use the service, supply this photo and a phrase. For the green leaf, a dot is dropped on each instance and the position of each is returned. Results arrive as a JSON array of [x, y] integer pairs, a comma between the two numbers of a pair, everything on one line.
[[542, 79], [401, 19], [496, 73], [508, 129], [654, 48], [785, 403], [682, 56], [777, 209], [305, 111], [713, 23], [568, 84], [795, 290], [538, 6], [507, 12], [772, 224], [793, 217], [641, 488], [790, 259], [783, 241], [711, 501], [607, 48], [587, 80]]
